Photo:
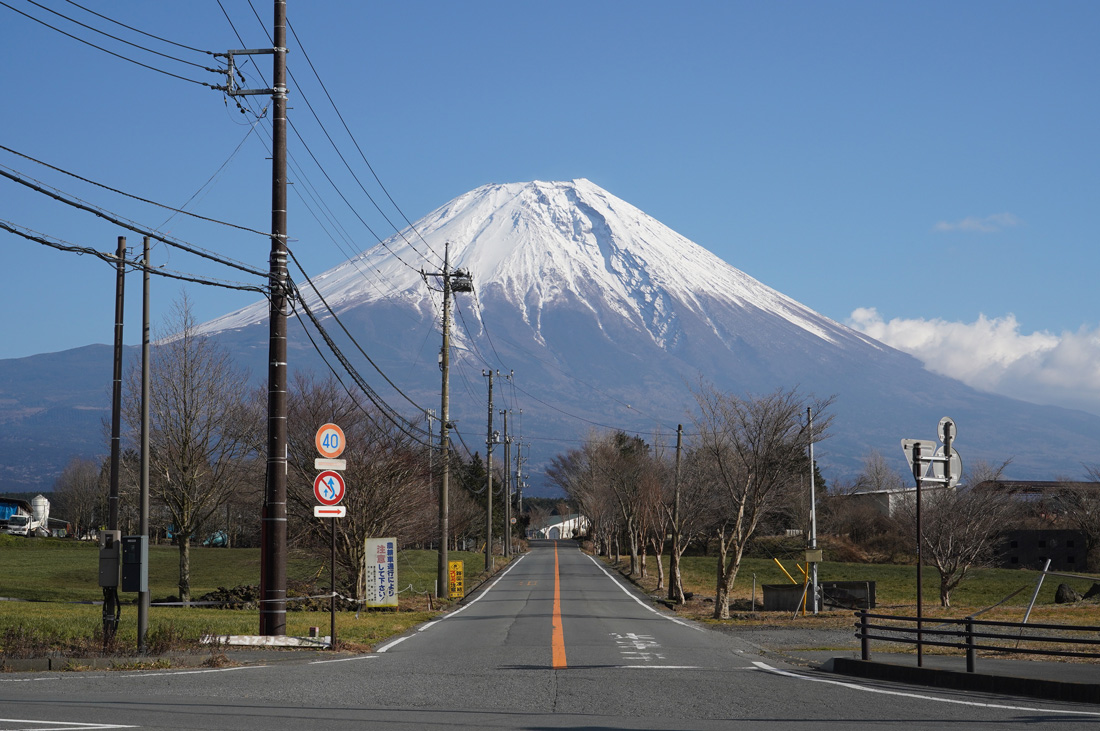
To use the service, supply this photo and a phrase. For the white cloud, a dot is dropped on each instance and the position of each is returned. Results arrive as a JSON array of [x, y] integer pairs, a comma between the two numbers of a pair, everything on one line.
[[986, 225], [991, 354]]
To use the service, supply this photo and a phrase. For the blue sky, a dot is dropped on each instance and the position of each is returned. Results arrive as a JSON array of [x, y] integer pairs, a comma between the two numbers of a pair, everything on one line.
[[927, 172]]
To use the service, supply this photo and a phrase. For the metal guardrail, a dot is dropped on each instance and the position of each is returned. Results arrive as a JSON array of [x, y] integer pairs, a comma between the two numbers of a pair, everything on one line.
[[972, 635]]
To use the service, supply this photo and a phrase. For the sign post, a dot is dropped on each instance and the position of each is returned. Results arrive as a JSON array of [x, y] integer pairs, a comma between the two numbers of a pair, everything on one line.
[[946, 468], [329, 489]]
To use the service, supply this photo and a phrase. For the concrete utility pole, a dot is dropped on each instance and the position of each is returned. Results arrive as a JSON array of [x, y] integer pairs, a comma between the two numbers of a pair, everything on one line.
[[110, 593], [273, 569], [461, 283], [143, 520], [507, 488], [813, 508], [675, 583], [490, 439], [273, 517]]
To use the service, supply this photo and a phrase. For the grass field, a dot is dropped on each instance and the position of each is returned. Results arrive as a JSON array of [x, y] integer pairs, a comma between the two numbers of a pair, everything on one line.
[[895, 588], [56, 582]]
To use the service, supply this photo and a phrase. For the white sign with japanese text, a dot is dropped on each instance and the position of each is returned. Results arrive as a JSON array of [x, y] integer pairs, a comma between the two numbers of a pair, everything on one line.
[[380, 572]]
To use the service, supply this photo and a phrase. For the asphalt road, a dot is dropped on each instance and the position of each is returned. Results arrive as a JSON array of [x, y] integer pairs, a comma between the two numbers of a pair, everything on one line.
[[553, 643]]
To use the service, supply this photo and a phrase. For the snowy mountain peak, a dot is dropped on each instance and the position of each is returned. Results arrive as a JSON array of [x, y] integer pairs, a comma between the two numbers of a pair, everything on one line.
[[540, 244]]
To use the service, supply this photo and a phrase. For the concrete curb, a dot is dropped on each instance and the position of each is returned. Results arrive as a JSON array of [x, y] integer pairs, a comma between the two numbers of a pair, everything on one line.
[[1054, 690], [57, 664]]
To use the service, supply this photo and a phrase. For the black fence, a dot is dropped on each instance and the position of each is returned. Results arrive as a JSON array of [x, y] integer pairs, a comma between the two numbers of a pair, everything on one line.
[[971, 635]]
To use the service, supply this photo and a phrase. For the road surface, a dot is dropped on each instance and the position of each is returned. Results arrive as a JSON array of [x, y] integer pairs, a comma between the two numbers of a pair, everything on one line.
[[554, 642]]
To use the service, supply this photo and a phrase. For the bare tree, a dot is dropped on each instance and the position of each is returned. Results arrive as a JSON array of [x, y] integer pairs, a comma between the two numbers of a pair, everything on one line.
[[78, 497], [960, 525], [878, 474], [1079, 506], [388, 488], [200, 430], [698, 516], [750, 451]]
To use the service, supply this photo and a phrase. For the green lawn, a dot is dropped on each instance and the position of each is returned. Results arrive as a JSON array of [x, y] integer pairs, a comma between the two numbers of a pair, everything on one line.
[[57, 581], [894, 585]]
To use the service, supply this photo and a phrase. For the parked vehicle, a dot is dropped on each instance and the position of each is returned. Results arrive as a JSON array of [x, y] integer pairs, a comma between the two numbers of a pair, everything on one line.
[[25, 525]]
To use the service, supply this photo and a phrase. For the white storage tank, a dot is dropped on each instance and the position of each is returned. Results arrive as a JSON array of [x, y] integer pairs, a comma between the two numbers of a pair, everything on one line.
[[40, 509]]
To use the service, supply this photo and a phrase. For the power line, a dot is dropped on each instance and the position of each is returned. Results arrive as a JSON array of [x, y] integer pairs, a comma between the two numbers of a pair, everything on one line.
[[146, 200], [351, 337], [403, 424], [321, 124], [137, 30], [123, 40], [110, 258], [370, 167], [112, 53], [119, 221]]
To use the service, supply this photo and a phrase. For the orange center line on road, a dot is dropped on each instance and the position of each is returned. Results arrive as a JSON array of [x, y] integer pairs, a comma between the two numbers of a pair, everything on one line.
[[558, 640]]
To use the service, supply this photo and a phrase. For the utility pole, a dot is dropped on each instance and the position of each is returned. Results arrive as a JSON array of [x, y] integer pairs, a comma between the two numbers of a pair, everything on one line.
[[273, 569], [431, 447], [111, 606], [143, 520], [813, 508], [675, 583], [273, 517], [507, 488], [490, 439], [461, 283], [519, 478]]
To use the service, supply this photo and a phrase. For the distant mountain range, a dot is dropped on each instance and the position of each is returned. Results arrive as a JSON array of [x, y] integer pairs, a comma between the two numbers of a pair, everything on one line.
[[607, 318]]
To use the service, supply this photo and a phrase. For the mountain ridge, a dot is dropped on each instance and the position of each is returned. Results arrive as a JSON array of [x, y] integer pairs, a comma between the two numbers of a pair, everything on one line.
[[609, 320]]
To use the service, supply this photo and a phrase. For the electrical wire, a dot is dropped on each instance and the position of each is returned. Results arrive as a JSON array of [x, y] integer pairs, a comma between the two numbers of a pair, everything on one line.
[[123, 40], [355, 342], [216, 173], [58, 195], [146, 200], [112, 53], [404, 425], [111, 259], [370, 167], [309, 105], [137, 30]]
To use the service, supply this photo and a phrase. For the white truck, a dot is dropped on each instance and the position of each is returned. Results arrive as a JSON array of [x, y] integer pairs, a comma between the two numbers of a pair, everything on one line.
[[24, 525]]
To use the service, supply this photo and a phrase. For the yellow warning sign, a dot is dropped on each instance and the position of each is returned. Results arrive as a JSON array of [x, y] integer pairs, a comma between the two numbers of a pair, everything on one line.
[[455, 580]]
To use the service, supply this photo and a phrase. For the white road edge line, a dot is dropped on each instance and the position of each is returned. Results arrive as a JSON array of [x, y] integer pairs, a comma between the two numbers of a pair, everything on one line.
[[67, 725], [463, 608], [921, 696], [189, 672], [343, 659], [626, 591], [660, 667], [388, 645]]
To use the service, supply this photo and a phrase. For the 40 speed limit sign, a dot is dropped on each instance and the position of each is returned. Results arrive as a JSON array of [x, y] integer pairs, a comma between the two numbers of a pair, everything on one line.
[[330, 441]]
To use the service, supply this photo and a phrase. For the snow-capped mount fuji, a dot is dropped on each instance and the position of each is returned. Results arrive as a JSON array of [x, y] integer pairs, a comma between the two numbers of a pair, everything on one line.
[[535, 245], [609, 318]]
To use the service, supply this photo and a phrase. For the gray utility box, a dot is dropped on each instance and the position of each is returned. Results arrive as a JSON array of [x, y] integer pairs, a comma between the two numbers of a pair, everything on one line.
[[135, 563], [110, 550], [786, 597], [848, 594], [834, 595]]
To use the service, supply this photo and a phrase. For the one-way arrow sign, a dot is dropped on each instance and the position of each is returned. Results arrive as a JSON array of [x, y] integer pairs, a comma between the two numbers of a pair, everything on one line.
[[927, 449]]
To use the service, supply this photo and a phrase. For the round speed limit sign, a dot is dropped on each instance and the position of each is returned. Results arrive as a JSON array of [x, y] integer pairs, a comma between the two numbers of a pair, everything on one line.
[[330, 441]]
